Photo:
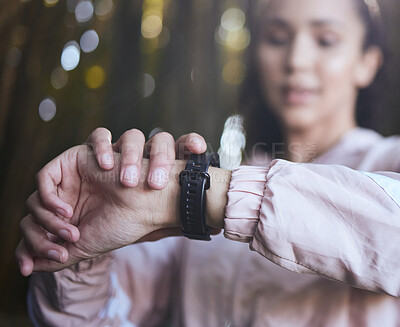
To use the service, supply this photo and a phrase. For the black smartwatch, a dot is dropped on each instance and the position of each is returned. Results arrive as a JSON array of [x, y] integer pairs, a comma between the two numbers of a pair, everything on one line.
[[194, 181]]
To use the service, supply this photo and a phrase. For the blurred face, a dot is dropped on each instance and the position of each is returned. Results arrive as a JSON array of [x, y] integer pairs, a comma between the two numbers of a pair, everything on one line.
[[309, 54]]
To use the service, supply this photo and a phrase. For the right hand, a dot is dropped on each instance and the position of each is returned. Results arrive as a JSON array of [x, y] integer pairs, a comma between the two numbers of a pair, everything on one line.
[[161, 149], [108, 216]]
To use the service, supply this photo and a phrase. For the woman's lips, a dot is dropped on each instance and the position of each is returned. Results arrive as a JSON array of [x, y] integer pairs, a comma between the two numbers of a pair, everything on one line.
[[298, 96]]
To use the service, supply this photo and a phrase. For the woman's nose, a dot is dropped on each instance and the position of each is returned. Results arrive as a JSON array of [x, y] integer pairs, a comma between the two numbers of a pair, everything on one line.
[[301, 54]]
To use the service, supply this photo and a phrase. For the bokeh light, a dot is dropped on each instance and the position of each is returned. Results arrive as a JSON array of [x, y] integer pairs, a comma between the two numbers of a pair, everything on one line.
[[232, 33], [233, 142], [50, 3], [84, 11], [235, 40], [103, 7], [70, 56], [151, 26], [149, 85], [89, 41], [154, 34], [95, 77], [59, 78], [234, 72], [47, 109], [233, 19], [13, 57]]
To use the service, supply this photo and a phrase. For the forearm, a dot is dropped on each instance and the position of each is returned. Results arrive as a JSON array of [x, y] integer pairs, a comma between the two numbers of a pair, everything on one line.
[[323, 219], [217, 196], [164, 204]]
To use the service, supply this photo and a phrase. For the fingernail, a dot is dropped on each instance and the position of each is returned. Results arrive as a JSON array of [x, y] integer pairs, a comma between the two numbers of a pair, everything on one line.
[[196, 141], [130, 175], [106, 160], [159, 176], [54, 255], [66, 235], [63, 257]]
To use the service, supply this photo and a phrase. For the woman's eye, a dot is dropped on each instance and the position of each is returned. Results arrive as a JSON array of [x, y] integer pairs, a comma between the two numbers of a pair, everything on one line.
[[278, 39], [327, 41]]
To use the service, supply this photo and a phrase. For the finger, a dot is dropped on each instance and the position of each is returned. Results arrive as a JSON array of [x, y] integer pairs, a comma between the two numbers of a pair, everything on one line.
[[38, 244], [24, 259], [190, 143], [49, 221], [131, 144], [43, 264], [48, 178], [162, 158], [100, 141]]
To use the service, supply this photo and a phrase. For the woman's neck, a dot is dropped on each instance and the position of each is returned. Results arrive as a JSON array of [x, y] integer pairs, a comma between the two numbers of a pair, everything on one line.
[[306, 145]]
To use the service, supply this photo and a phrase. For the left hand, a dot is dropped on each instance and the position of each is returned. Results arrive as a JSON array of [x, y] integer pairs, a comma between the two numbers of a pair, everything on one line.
[[161, 150]]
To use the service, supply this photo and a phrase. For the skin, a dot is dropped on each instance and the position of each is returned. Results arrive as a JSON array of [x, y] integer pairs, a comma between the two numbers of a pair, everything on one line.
[[311, 69], [161, 149], [99, 205]]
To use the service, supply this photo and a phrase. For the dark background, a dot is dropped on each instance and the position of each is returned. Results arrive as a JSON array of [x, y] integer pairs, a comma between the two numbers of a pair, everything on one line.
[[191, 92]]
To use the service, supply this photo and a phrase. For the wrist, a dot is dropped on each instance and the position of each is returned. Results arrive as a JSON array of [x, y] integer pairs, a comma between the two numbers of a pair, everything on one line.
[[217, 196], [172, 193], [168, 201]]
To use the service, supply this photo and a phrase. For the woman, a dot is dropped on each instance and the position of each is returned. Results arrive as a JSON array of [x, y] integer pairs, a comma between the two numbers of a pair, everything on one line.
[[333, 227]]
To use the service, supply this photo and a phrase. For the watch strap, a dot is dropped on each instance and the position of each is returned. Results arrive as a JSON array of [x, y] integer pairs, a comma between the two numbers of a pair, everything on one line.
[[194, 181]]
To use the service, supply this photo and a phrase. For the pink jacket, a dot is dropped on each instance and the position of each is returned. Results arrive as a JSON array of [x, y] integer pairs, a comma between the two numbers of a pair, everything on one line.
[[324, 243]]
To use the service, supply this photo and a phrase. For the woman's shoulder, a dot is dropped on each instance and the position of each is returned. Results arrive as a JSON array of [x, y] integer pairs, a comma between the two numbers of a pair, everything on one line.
[[380, 153]]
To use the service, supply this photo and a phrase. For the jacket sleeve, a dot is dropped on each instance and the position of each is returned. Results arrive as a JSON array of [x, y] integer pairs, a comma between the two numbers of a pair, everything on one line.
[[321, 219], [132, 286]]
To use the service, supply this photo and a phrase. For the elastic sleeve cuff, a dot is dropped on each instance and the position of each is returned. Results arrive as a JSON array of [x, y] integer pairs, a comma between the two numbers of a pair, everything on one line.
[[72, 295], [244, 202], [99, 263]]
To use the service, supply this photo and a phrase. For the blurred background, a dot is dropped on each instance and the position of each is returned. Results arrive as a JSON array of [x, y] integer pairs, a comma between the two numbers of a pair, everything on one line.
[[69, 66]]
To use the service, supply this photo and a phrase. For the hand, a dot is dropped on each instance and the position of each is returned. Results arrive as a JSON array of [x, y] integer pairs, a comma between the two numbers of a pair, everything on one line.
[[108, 216], [161, 149]]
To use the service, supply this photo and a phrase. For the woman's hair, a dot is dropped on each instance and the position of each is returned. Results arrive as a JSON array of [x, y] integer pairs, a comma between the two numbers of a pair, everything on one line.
[[262, 127], [368, 105]]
